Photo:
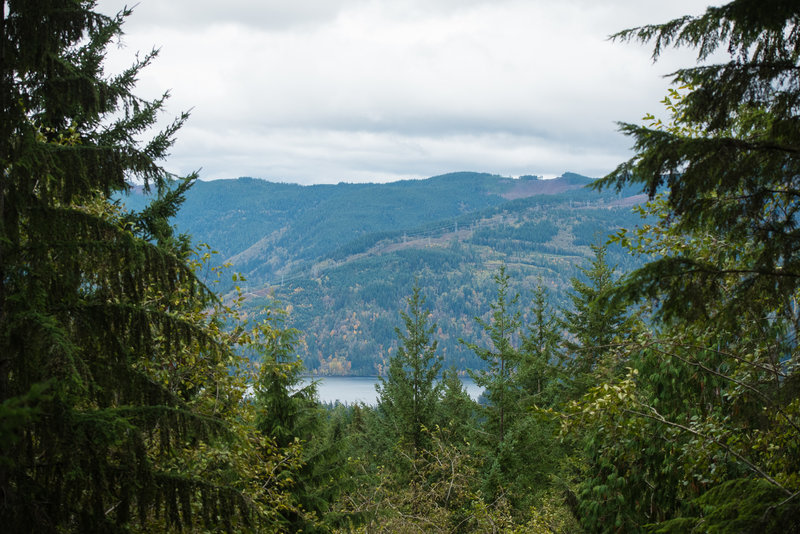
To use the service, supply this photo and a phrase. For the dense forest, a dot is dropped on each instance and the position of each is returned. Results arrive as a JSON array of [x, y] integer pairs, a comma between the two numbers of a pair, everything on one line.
[[662, 397], [341, 258]]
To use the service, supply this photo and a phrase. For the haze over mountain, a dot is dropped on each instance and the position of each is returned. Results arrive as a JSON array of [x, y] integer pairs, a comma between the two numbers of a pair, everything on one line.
[[342, 258]]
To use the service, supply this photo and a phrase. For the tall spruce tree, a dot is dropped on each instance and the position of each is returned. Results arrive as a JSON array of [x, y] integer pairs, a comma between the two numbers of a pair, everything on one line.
[[456, 410], [108, 359], [593, 323], [719, 380], [409, 394], [502, 358], [729, 164], [288, 411], [518, 450], [539, 364]]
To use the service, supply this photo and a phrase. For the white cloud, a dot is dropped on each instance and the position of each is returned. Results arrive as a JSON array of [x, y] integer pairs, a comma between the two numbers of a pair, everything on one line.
[[323, 91]]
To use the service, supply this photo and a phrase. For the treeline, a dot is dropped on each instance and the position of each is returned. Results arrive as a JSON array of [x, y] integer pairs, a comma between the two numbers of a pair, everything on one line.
[[314, 222], [600, 419], [429, 458]]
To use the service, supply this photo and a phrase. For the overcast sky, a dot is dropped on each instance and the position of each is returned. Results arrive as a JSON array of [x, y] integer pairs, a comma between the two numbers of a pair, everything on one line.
[[323, 91]]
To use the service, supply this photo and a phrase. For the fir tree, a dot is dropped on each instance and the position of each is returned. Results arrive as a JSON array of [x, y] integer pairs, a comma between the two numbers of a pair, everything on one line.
[[729, 164], [108, 354], [538, 372], [409, 394], [287, 409], [289, 413], [594, 323], [456, 409], [502, 358]]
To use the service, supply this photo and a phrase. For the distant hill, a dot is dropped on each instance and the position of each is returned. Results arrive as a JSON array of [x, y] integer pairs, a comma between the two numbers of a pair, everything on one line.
[[342, 258]]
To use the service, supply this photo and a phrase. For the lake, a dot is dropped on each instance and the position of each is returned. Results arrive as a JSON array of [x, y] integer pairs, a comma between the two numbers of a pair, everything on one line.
[[353, 389]]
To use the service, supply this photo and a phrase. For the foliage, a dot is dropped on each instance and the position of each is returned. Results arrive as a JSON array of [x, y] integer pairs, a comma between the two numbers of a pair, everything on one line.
[[456, 410], [715, 379], [286, 407], [121, 391], [289, 413], [502, 358], [594, 324], [740, 505], [737, 180], [439, 494], [541, 361], [408, 395]]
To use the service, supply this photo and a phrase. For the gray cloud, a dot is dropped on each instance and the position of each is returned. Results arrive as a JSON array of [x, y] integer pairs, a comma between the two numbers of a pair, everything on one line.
[[373, 90], [265, 15]]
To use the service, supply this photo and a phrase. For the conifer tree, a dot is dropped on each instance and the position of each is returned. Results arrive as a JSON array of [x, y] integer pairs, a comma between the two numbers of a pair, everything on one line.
[[729, 164], [719, 379], [519, 453], [456, 409], [108, 353], [409, 394], [593, 323], [502, 358], [287, 410], [289, 413], [540, 351]]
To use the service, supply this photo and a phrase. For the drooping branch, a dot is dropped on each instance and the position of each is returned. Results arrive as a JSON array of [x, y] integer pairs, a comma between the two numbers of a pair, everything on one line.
[[655, 416]]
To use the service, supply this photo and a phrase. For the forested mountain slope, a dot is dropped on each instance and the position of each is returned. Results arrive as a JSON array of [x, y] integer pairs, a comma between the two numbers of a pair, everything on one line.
[[343, 257]]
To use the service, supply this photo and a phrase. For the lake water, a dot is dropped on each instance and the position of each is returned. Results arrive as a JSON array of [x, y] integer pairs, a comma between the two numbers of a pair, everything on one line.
[[353, 389]]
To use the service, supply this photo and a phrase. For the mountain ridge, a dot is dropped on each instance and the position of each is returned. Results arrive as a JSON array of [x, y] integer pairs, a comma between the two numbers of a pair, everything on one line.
[[342, 258]]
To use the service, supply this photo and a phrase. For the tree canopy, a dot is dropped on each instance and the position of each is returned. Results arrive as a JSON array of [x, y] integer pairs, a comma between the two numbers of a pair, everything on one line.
[[119, 388], [715, 375], [409, 393], [729, 165]]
